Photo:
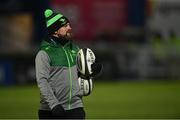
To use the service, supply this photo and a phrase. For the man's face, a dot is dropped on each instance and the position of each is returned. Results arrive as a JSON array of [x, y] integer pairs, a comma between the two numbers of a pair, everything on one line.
[[65, 32]]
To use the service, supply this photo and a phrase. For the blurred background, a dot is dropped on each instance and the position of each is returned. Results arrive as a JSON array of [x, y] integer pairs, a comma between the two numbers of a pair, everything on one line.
[[138, 42]]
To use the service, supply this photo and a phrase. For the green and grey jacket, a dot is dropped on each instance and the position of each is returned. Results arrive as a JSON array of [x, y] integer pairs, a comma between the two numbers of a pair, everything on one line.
[[57, 76]]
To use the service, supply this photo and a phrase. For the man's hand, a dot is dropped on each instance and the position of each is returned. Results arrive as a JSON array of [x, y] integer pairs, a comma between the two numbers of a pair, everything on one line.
[[58, 111], [96, 69]]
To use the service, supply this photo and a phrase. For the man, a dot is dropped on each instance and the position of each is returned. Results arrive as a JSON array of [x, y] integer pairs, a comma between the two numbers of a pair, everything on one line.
[[56, 71]]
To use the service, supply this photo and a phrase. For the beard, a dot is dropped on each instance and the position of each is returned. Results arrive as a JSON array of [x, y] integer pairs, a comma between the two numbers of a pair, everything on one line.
[[67, 36]]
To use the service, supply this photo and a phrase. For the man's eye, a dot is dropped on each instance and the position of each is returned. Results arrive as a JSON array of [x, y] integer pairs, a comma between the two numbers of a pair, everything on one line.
[[65, 25]]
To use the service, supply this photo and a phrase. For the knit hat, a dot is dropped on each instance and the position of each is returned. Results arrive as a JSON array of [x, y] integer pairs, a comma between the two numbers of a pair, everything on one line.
[[54, 21]]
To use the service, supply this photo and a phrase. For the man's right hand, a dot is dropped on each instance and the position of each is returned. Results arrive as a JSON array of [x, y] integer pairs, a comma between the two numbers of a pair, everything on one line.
[[58, 111]]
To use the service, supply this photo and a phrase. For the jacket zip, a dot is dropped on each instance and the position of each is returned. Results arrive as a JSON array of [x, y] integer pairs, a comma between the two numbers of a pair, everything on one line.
[[70, 80], [71, 57]]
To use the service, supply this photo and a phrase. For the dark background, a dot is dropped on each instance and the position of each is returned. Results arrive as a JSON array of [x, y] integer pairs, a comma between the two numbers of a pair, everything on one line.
[[137, 41]]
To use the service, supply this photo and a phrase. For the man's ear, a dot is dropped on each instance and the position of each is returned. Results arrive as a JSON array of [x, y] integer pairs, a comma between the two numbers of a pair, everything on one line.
[[55, 33]]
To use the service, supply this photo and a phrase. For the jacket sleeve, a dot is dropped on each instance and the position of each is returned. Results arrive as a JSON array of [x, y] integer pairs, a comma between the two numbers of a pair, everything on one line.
[[42, 65]]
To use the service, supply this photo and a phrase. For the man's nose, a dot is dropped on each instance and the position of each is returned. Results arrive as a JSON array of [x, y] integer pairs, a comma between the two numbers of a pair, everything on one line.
[[69, 27]]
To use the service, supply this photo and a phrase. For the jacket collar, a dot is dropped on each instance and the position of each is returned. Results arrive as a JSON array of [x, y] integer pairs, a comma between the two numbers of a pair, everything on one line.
[[57, 41]]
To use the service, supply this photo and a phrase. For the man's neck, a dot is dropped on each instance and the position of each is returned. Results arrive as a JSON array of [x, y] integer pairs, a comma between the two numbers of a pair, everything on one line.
[[59, 40]]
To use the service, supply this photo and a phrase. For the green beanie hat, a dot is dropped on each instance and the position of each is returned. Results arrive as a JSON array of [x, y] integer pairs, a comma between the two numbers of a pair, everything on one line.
[[54, 21]]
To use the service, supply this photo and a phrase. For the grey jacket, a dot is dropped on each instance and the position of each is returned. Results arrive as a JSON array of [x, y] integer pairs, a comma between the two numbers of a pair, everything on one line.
[[56, 75]]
